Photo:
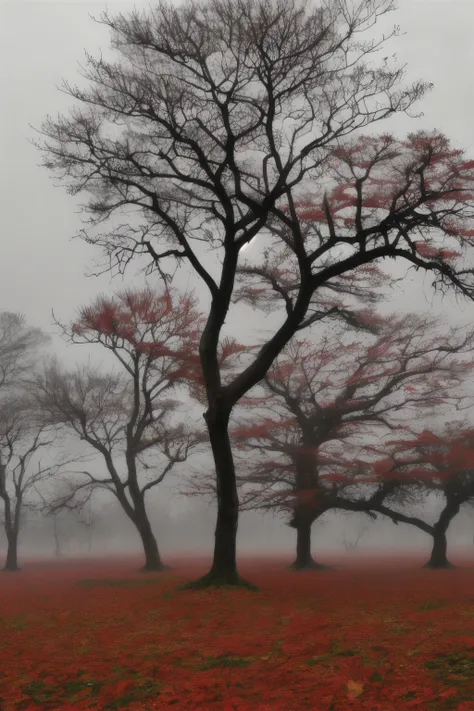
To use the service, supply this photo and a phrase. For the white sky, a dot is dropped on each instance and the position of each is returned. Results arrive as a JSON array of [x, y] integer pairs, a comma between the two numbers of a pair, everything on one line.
[[41, 43]]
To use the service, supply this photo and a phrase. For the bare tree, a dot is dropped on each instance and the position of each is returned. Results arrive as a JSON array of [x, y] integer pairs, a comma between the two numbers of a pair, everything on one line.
[[19, 344], [63, 518], [350, 544], [26, 441], [226, 123], [58, 551], [128, 417], [89, 521], [23, 432]]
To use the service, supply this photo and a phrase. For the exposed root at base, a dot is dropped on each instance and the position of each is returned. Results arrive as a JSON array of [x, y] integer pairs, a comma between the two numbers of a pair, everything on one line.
[[219, 580], [445, 565], [160, 569], [313, 565]]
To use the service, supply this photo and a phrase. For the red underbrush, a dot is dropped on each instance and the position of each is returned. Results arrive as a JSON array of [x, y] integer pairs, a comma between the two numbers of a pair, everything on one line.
[[382, 635]]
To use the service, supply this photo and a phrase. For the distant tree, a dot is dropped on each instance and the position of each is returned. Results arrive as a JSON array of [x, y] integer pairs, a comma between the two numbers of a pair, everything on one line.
[[339, 389], [89, 520], [128, 417], [228, 123], [23, 431], [66, 522], [58, 550], [19, 346], [26, 441], [441, 462], [350, 544]]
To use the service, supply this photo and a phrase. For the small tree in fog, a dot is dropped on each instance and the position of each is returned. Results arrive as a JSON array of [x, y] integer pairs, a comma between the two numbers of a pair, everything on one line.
[[58, 550], [351, 543], [28, 456], [63, 521], [24, 433], [128, 416], [19, 346]]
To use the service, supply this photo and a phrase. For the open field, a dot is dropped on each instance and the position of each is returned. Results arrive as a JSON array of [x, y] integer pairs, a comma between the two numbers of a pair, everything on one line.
[[375, 634]]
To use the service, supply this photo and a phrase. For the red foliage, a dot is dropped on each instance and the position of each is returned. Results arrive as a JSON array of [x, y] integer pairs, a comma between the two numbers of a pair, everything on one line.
[[155, 325], [327, 396], [261, 429], [95, 637], [423, 170], [333, 391], [439, 458]]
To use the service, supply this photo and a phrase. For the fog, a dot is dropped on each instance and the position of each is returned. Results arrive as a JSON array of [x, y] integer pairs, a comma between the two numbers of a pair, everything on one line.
[[189, 530], [43, 269]]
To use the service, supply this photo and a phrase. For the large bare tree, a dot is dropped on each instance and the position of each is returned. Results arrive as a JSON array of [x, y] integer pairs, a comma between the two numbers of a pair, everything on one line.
[[229, 122]]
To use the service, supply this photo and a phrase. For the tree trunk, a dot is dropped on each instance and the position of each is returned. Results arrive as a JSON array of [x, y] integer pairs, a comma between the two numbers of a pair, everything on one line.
[[438, 558], [306, 480], [12, 527], [139, 516], [153, 562], [224, 565], [11, 560], [304, 560], [57, 538]]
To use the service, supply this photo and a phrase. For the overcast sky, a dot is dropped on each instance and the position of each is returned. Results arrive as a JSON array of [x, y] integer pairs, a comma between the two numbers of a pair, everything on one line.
[[42, 42], [41, 268]]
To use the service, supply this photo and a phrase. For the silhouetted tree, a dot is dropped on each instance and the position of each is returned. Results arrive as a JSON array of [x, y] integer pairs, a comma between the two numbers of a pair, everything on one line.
[[441, 462], [25, 434], [19, 348]]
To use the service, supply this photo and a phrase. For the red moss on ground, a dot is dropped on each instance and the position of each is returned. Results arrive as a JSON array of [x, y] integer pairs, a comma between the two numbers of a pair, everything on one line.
[[370, 637]]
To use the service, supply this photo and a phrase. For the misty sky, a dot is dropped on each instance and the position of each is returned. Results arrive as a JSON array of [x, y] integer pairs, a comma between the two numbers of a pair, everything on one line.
[[42, 42], [42, 269]]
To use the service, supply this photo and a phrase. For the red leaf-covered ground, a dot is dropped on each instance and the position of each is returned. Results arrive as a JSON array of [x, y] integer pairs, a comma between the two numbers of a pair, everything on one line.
[[380, 635]]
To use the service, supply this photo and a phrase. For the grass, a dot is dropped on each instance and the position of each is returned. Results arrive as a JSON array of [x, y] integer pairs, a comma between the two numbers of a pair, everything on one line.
[[373, 637]]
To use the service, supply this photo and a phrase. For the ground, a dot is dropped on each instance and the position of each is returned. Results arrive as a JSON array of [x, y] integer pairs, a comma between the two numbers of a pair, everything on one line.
[[377, 635]]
